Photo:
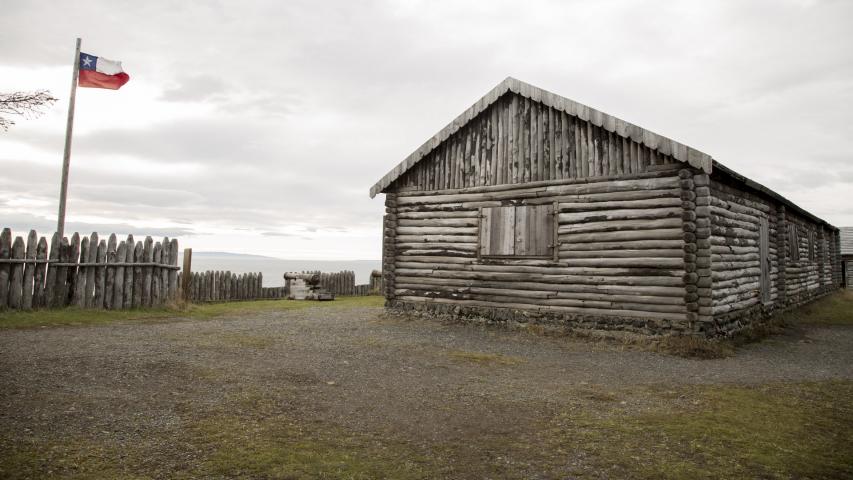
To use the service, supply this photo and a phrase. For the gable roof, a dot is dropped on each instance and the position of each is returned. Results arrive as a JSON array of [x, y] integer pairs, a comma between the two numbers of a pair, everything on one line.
[[662, 144], [846, 240]]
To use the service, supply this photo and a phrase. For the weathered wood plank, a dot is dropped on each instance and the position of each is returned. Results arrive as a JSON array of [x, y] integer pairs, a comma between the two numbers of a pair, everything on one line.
[[100, 275], [5, 268], [40, 274], [118, 281], [109, 272], [16, 278], [29, 271], [129, 280]]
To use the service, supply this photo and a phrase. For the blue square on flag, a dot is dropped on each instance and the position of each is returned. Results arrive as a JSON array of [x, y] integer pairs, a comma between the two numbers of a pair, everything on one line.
[[88, 62]]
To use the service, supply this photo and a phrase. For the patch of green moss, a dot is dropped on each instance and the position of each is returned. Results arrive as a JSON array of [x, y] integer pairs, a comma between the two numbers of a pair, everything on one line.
[[276, 447], [775, 431], [833, 309], [73, 316]]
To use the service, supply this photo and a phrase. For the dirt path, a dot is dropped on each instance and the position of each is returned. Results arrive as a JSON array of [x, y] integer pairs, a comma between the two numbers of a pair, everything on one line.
[[430, 386]]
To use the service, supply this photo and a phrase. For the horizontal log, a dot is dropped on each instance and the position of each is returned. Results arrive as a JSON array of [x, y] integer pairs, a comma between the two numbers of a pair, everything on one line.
[[676, 271], [626, 280], [733, 257], [608, 215], [734, 282], [715, 210], [470, 253], [735, 306], [724, 292], [729, 274], [436, 230], [721, 266], [677, 244], [723, 222], [438, 222], [738, 233], [739, 206], [471, 239], [631, 235], [733, 250], [439, 214], [733, 241], [651, 253], [619, 226], [671, 199]]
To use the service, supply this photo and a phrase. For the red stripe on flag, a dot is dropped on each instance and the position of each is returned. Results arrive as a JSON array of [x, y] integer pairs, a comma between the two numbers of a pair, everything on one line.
[[93, 79]]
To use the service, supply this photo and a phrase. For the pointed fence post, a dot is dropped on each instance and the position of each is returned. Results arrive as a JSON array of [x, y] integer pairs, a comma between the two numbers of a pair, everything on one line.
[[186, 275]]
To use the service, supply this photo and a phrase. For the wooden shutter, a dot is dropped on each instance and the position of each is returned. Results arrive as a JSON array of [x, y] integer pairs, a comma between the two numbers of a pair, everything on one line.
[[523, 231], [497, 231], [534, 230], [793, 243], [764, 258]]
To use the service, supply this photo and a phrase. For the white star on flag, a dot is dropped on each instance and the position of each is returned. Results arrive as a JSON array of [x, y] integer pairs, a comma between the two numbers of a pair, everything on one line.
[[87, 61]]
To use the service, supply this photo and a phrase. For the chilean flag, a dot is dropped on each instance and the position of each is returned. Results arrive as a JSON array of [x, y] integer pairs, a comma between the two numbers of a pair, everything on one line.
[[98, 72]]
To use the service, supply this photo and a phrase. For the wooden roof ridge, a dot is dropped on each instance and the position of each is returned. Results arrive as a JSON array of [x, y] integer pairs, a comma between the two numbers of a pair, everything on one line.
[[654, 141]]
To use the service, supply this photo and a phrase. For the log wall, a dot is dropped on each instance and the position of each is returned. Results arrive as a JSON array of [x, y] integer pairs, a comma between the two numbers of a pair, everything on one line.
[[735, 215], [86, 272], [518, 140], [620, 260]]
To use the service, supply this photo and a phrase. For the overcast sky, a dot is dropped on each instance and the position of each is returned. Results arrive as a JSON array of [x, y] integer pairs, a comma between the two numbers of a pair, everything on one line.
[[258, 127]]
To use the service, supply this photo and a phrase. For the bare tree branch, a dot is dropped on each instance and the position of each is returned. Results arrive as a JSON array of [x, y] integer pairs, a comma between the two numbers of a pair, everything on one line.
[[25, 104]]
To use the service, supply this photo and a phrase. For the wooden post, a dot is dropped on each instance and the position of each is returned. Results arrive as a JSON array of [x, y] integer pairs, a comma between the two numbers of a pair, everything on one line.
[[5, 268], [29, 271], [41, 271], [186, 274], [66, 157]]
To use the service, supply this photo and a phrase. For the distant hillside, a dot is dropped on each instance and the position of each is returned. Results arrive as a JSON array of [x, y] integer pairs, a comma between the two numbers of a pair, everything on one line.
[[230, 255]]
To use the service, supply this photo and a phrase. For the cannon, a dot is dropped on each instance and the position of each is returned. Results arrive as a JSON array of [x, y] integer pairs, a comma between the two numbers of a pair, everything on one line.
[[305, 286]]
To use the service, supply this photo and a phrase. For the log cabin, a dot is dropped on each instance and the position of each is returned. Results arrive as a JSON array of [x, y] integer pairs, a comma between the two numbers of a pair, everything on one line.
[[532, 208], [847, 257]]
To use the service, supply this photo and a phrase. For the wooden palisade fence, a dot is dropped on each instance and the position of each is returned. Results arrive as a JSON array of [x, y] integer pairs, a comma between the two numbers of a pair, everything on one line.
[[86, 272], [218, 286], [342, 284]]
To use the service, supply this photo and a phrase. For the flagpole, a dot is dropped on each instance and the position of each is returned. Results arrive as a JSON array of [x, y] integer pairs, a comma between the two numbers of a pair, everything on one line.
[[66, 158]]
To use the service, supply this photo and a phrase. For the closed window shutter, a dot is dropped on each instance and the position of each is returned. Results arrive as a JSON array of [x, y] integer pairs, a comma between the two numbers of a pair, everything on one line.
[[534, 230], [523, 231], [793, 243], [497, 235]]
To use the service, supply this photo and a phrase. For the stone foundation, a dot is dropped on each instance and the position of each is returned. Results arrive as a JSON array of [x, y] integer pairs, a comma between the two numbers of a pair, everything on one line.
[[547, 321]]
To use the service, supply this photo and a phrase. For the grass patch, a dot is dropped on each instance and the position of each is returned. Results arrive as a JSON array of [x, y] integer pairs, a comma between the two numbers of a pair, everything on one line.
[[485, 358], [277, 447], [771, 431], [76, 316], [694, 347], [833, 309], [258, 441]]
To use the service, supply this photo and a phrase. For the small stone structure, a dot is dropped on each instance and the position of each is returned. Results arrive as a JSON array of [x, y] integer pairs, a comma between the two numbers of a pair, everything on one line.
[[530, 207], [305, 286]]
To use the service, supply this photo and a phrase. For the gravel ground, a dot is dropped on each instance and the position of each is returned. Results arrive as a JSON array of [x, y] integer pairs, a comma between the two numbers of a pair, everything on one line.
[[420, 381]]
